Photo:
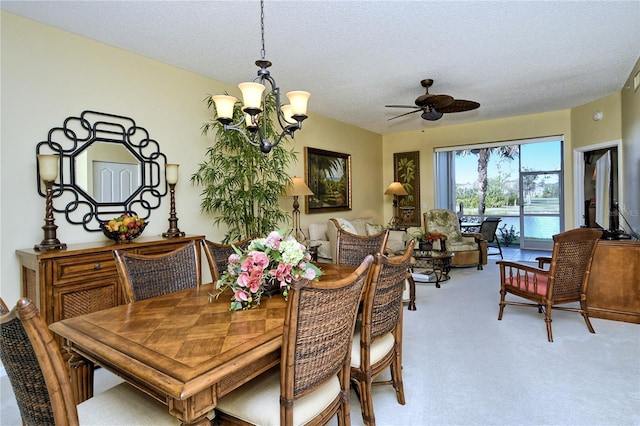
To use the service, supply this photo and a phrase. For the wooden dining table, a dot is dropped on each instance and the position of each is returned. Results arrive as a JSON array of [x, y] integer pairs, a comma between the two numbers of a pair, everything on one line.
[[185, 349]]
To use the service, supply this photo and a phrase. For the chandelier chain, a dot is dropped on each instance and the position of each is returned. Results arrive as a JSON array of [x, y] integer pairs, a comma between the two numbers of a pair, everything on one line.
[[262, 51]]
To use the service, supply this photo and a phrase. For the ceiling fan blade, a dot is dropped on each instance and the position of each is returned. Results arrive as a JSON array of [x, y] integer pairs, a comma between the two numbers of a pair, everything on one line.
[[436, 101], [460, 105], [406, 113], [401, 106]]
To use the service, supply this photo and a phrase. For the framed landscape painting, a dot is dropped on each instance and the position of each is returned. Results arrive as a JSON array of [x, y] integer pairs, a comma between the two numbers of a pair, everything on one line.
[[406, 170], [328, 175]]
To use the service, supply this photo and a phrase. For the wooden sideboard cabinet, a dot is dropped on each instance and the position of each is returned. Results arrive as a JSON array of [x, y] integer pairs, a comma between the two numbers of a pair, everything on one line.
[[614, 284], [83, 278]]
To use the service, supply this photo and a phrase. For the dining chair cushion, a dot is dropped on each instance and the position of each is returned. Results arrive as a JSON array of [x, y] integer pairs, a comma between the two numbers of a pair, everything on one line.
[[532, 283], [258, 401], [379, 348], [125, 405]]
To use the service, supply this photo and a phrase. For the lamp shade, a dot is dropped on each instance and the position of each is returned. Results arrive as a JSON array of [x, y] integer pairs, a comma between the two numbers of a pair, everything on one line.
[[171, 173], [298, 100], [251, 94], [288, 114], [224, 105], [396, 188], [297, 187], [48, 165]]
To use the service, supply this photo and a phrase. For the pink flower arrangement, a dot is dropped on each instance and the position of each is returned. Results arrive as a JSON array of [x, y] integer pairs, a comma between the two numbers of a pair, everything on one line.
[[276, 259]]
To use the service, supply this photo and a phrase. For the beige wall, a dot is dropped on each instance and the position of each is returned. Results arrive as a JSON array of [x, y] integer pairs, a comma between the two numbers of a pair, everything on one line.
[[49, 75]]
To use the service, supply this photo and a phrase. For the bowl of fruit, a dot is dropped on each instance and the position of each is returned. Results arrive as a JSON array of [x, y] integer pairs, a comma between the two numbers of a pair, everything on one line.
[[124, 228]]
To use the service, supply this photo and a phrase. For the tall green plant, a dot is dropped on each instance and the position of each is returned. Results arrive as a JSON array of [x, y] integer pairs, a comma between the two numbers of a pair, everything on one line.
[[241, 184]]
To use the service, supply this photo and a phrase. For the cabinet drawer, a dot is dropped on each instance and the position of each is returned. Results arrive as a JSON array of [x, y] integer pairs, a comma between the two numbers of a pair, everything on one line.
[[86, 267]]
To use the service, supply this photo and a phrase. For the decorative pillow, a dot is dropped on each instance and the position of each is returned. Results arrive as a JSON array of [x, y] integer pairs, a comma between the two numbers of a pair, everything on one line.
[[373, 229], [318, 231], [346, 225], [360, 224]]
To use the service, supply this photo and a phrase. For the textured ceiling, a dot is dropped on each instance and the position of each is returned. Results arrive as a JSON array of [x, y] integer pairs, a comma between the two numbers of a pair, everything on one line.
[[355, 57]]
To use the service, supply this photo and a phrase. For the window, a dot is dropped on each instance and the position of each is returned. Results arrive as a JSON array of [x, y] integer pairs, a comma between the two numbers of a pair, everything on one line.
[[519, 181]]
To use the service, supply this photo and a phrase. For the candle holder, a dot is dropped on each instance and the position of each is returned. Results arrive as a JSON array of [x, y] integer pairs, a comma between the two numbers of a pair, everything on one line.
[[171, 174], [48, 172]]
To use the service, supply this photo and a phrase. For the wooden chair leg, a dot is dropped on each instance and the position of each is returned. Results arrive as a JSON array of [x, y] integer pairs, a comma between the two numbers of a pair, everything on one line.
[[502, 296], [412, 292], [366, 403], [547, 319], [585, 315], [396, 378]]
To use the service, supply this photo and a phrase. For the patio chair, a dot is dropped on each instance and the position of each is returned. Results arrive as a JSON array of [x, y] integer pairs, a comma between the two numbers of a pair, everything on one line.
[[377, 344], [565, 281], [469, 248], [41, 385], [351, 248], [312, 383], [218, 255], [144, 276], [488, 229]]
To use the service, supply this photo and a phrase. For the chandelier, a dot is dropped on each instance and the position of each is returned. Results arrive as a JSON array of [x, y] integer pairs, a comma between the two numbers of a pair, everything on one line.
[[253, 124]]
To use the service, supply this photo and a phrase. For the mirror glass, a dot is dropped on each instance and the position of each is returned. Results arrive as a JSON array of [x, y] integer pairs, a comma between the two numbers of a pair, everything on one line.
[[108, 172]]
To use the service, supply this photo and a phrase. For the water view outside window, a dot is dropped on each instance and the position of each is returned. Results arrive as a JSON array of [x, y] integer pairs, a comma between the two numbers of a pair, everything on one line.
[[522, 184]]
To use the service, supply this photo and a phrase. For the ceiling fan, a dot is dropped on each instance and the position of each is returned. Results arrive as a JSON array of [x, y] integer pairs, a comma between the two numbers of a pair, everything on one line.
[[434, 106]]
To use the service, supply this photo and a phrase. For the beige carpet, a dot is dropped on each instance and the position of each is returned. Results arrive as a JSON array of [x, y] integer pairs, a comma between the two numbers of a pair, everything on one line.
[[464, 367]]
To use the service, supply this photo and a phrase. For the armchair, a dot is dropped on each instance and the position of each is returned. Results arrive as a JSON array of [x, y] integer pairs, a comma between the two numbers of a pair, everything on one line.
[[564, 282], [469, 248]]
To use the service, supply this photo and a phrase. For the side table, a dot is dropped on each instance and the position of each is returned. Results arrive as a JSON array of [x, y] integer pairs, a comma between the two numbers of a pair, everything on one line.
[[438, 264]]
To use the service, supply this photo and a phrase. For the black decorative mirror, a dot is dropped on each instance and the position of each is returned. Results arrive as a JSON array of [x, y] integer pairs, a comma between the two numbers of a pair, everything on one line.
[[108, 166]]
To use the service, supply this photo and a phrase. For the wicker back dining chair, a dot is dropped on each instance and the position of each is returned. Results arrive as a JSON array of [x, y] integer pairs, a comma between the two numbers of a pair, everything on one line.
[[218, 255], [40, 380], [312, 383], [3, 308], [565, 281], [144, 276], [488, 229], [377, 344], [351, 249]]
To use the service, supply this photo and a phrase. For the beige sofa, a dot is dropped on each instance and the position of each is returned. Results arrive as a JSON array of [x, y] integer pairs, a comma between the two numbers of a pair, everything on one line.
[[324, 235]]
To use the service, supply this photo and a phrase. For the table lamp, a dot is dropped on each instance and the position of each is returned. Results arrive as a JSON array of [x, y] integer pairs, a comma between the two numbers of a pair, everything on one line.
[[395, 189], [48, 172], [294, 189], [171, 175]]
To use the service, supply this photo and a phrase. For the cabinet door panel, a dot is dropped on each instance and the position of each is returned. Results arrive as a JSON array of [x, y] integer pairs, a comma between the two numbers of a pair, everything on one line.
[[72, 301]]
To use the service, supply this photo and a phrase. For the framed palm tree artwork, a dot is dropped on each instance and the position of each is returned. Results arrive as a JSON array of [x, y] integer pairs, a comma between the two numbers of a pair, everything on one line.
[[406, 170], [328, 175]]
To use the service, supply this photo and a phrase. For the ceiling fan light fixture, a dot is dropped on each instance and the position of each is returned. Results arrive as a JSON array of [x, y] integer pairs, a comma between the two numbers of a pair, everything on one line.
[[432, 114]]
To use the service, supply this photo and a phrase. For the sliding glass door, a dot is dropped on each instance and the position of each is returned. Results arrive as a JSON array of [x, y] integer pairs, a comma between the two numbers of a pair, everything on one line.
[[541, 194], [519, 181]]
